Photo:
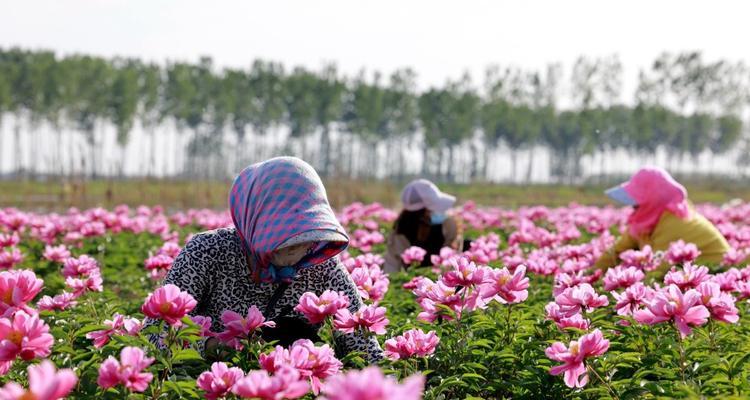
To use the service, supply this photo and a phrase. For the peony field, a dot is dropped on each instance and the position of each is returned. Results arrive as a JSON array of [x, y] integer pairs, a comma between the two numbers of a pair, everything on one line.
[[521, 314]]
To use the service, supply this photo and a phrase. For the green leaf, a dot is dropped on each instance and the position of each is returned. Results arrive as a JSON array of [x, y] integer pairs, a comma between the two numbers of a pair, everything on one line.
[[473, 376], [187, 354]]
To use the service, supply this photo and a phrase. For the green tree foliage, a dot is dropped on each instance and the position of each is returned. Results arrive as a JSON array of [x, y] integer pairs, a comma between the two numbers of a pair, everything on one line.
[[683, 104]]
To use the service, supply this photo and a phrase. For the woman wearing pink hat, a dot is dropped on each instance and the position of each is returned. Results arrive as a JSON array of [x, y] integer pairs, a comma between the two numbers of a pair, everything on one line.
[[424, 222], [661, 215]]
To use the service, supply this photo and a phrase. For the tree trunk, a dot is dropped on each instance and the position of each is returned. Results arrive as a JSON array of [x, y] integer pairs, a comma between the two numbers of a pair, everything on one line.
[[152, 153], [400, 162], [391, 162], [351, 155], [17, 160], [530, 169], [486, 165], [324, 151], [451, 170], [92, 151], [34, 139]]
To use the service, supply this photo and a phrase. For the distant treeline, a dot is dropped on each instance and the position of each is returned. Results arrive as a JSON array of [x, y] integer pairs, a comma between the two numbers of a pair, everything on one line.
[[682, 104]]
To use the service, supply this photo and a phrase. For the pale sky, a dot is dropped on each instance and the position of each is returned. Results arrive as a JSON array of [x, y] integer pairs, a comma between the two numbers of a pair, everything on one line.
[[439, 39]]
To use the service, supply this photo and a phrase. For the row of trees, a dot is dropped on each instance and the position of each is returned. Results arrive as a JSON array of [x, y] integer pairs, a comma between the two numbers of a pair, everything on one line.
[[683, 104]]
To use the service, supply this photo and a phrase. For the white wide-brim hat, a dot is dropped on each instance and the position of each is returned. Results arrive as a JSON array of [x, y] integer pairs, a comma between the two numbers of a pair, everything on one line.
[[620, 195], [421, 193]]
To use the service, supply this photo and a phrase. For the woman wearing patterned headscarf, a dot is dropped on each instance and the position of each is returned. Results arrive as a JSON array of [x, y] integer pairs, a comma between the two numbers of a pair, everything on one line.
[[284, 243], [661, 215]]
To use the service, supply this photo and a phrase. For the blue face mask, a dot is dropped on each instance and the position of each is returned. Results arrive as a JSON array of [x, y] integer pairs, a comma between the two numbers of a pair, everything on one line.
[[437, 219], [277, 273], [286, 273]]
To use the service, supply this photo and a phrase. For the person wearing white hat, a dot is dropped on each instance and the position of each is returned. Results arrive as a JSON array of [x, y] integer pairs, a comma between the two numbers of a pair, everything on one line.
[[424, 222]]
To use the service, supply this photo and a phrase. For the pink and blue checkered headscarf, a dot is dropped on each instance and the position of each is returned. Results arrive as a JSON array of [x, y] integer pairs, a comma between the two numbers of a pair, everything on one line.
[[275, 200]]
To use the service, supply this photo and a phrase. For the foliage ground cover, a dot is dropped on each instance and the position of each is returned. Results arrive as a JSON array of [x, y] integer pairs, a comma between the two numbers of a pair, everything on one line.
[[521, 314], [59, 195]]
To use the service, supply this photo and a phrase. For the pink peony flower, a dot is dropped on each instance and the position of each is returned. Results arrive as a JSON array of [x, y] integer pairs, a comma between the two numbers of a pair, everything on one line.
[[364, 239], [219, 380], [366, 260], [482, 250], [118, 325], [10, 258], [316, 309], [431, 294], [56, 253], [576, 299], [14, 220], [553, 313], [60, 302], [131, 326], [92, 229], [413, 342], [237, 327], [204, 323], [168, 303], [680, 252], [632, 299], [506, 288], [643, 259], [5, 367], [727, 280], [9, 240], [17, 288], [413, 255], [45, 383], [74, 238], [25, 336], [413, 283], [566, 280], [79, 267], [158, 265], [743, 289], [719, 304], [284, 384], [734, 257], [444, 257], [689, 278], [464, 273], [671, 304], [170, 249], [573, 356], [128, 371], [622, 277], [90, 283], [576, 321], [372, 283], [371, 384], [316, 363], [371, 318]]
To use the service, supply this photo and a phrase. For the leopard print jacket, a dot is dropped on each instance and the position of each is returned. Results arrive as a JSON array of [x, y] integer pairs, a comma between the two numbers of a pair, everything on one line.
[[213, 269]]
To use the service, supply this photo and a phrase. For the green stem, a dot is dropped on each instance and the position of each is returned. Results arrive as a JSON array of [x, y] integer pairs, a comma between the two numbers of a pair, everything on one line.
[[606, 384], [333, 330], [511, 332], [94, 312], [681, 348], [170, 361], [712, 335]]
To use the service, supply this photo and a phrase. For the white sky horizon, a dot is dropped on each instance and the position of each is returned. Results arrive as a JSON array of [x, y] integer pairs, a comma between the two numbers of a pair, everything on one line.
[[440, 40]]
